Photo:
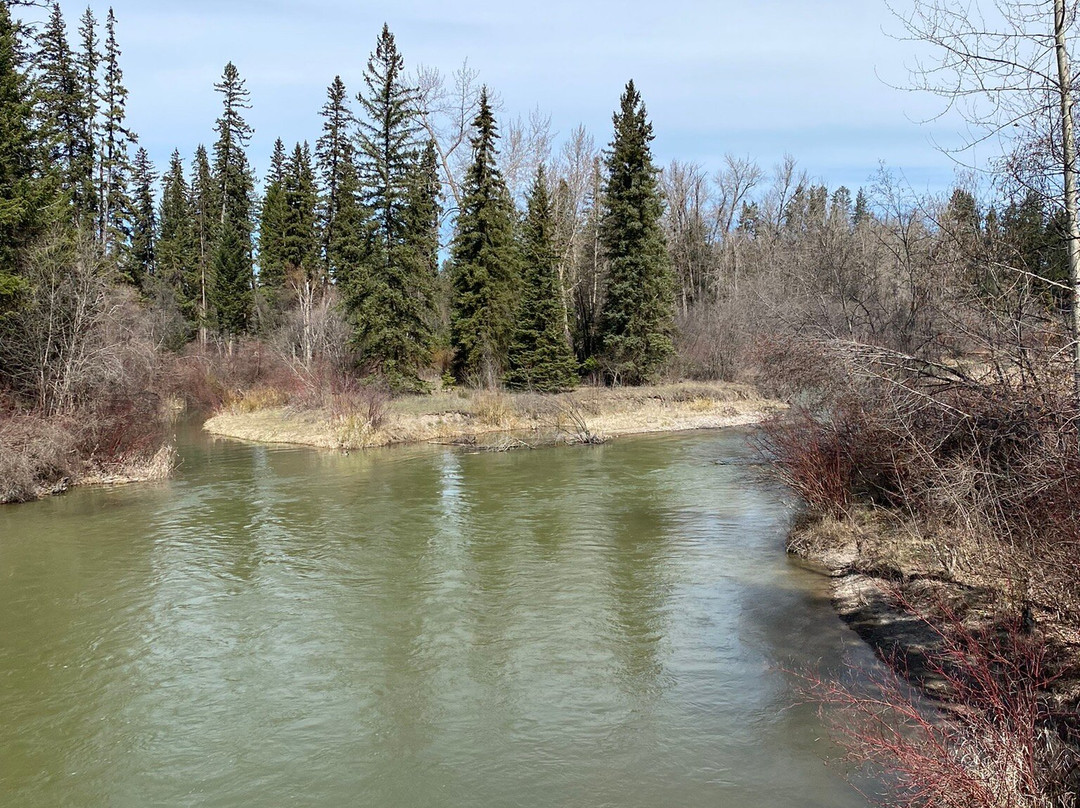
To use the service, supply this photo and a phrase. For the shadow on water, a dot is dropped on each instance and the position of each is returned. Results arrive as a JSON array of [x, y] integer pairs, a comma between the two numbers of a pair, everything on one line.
[[593, 626]]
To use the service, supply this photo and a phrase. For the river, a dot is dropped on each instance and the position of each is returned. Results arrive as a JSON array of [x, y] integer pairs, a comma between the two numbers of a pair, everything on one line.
[[590, 626]]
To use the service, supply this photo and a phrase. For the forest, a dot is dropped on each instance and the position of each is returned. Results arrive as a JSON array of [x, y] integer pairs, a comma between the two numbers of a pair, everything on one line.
[[417, 243]]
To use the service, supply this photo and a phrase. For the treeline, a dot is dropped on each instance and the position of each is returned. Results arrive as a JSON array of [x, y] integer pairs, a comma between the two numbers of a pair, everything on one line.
[[339, 258]]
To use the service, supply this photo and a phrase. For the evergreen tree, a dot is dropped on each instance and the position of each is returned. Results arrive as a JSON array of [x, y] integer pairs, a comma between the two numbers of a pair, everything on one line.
[[862, 209], [387, 143], [59, 108], [300, 243], [231, 289], [175, 249], [840, 208], [22, 197], [114, 167], [86, 147], [272, 224], [638, 316], [204, 235], [349, 242], [485, 261], [389, 296], [539, 357], [139, 263], [749, 218], [231, 292], [334, 158], [418, 259]]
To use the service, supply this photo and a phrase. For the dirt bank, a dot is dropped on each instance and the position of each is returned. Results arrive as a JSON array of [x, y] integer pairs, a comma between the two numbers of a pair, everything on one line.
[[894, 585]]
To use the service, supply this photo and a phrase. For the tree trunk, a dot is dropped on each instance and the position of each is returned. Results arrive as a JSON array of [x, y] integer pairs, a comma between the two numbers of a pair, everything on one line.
[[1068, 147]]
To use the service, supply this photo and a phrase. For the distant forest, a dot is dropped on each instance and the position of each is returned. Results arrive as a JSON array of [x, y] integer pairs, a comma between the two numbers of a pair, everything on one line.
[[562, 263]]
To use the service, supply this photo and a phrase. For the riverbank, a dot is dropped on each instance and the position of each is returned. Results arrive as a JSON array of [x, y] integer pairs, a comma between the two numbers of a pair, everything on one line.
[[897, 587], [495, 420], [41, 456]]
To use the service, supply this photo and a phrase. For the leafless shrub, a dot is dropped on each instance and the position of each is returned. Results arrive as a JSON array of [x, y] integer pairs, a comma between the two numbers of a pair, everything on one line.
[[76, 335], [997, 739], [36, 455], [710, 341]]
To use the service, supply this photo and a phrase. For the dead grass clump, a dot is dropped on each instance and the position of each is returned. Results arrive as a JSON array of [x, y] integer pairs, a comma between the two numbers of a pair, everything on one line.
[[251, 375], [259, 398], [494, 409], [37, 455]]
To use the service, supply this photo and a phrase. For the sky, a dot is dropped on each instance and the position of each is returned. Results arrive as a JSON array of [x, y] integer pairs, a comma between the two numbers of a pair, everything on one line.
[[817, 80]]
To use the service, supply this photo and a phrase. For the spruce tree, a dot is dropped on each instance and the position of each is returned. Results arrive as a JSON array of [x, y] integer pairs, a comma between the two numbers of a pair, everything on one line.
[[300, 243], [114, 167], [272, 225], [334, 158], [59, 108], [175, 250], [231, 291], [540, 358], [22, 196], [862, 209], [88, 61], [388, 134], [204, 235], [389, 293], [485, 261], [638, 317], [139, 260], [349, 241], [418, 258]]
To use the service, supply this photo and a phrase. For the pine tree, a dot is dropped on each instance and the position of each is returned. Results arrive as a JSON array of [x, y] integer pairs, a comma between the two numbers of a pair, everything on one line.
[[204, 235], [22, 196], [300, 243], [272, 225], [540, 358], [485, 261], [638, 316], [231, 291], [114, 167], [139, 260], [175, 250], [334, 158]]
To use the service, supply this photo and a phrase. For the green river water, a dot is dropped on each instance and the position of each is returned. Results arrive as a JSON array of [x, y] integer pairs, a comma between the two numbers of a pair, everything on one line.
[[591, 626]]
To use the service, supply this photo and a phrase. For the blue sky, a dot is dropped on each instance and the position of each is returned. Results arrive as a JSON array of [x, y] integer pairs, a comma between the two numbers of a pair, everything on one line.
[[757, 79]]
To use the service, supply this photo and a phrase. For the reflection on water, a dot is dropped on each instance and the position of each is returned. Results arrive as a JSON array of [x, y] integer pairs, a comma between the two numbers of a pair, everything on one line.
[[591, 626]]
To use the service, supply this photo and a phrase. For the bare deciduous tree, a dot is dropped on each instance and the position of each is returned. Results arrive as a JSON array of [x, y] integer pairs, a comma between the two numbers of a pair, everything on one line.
[[1005, 66], [446, 113]]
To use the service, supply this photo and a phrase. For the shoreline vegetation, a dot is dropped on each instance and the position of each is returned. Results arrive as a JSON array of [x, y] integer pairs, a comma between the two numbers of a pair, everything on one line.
[[493, 420], [929, 345]]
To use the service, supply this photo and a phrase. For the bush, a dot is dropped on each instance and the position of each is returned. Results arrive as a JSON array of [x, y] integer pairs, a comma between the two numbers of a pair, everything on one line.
[[37, 455], [998, 742]]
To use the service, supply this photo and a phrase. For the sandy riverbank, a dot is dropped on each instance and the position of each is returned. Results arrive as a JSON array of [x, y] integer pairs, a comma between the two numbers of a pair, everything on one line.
[[501, 420]]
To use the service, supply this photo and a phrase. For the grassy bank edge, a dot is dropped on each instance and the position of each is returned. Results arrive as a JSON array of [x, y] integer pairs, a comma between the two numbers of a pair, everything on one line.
[[501, 420]]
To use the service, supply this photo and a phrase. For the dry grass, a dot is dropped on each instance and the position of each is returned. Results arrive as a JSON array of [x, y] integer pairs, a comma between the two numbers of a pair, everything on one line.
[[135, 468], [586, 415]]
